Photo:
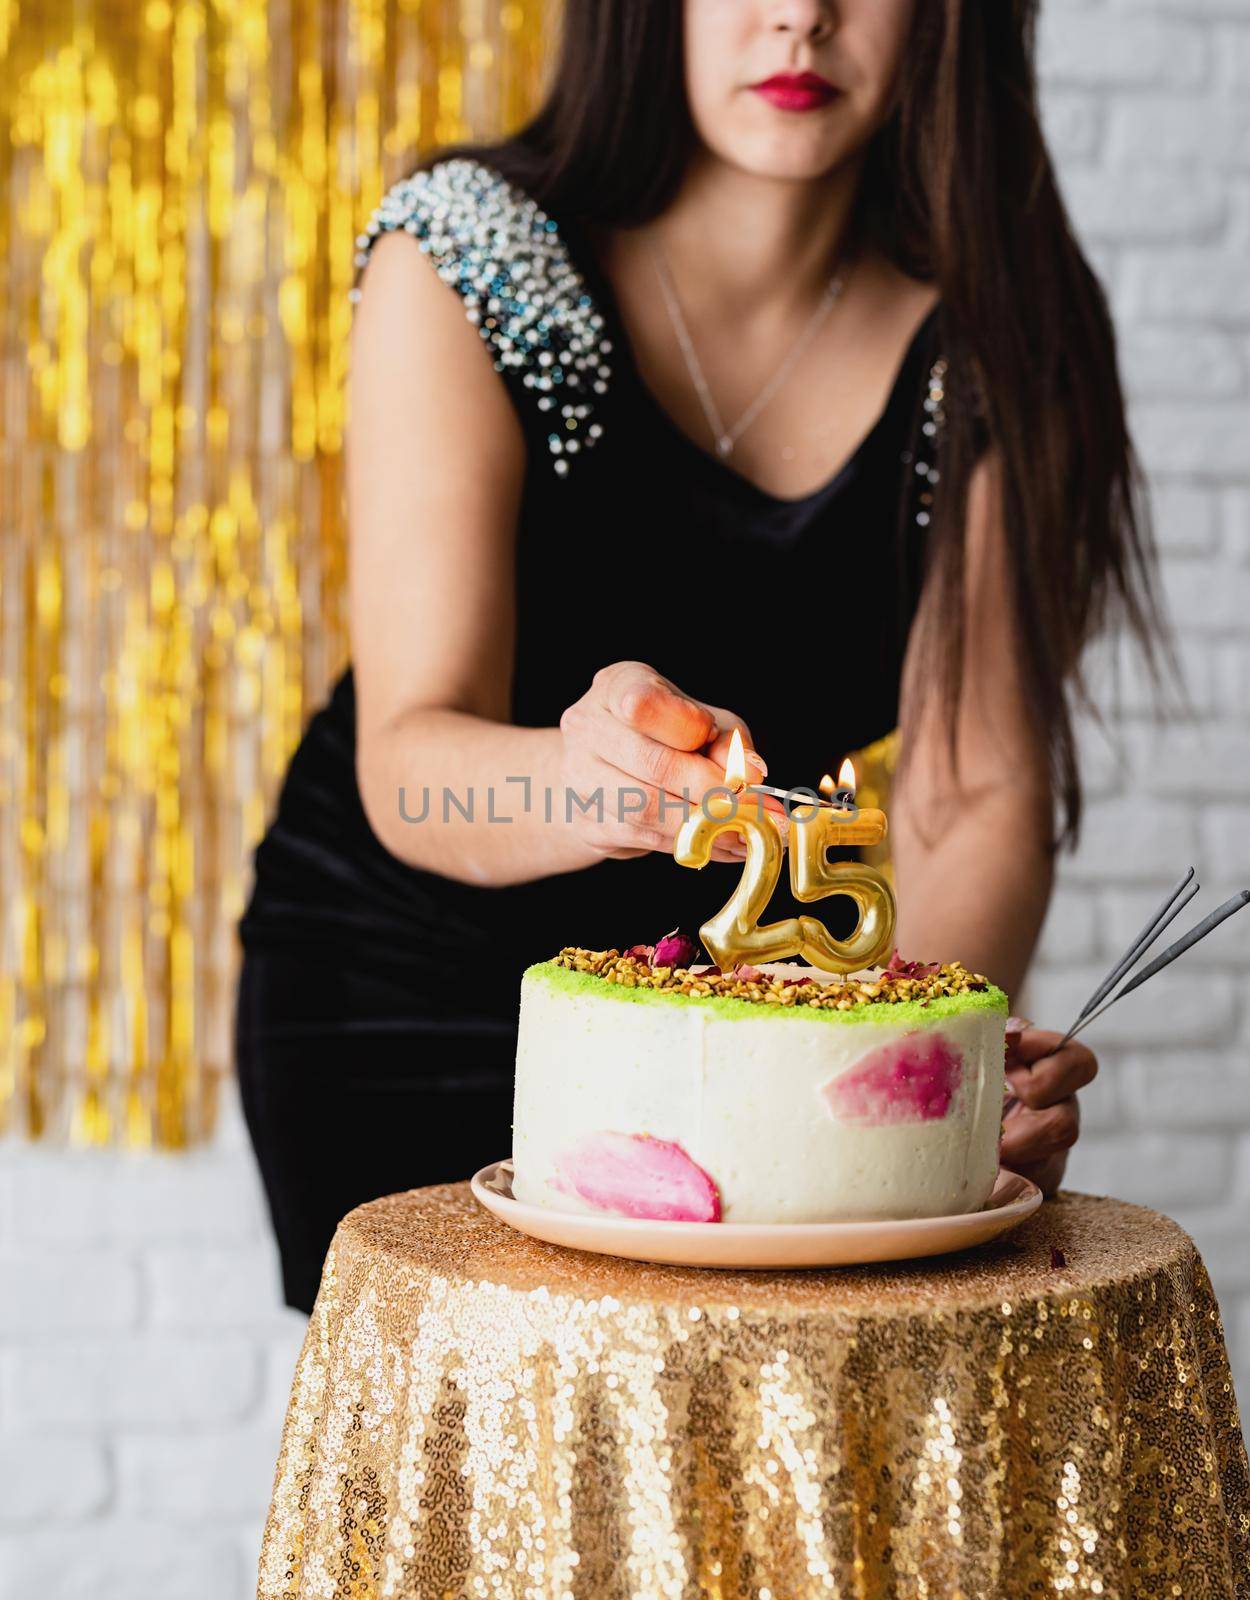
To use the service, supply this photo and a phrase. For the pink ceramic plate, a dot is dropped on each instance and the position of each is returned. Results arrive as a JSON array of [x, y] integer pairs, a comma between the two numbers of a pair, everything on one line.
[[759, 1244]]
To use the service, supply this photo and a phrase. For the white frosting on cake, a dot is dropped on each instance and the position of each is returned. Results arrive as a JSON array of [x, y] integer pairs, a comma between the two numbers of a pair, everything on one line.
[[794, 1114]]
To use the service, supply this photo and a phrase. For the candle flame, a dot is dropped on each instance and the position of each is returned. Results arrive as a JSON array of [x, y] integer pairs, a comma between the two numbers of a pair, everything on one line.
[[736, 763], [846, 778]]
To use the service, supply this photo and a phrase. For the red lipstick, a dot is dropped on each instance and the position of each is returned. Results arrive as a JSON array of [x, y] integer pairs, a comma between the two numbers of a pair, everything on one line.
[[796, 91]]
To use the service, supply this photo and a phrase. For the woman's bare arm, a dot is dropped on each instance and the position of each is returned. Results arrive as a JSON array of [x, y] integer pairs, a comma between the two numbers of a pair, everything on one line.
[[435, 462], [973, 863], [974, 868]]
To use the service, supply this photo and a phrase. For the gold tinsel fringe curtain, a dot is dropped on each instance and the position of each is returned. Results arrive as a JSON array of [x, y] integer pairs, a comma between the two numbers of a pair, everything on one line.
[[180, 188]]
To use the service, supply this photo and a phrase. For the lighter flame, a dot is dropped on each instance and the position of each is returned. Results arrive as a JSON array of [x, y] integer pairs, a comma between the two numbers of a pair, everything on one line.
[[736, 763]]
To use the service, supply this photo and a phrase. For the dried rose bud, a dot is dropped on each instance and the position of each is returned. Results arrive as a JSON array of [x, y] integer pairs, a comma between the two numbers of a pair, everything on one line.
[[747, 973], [675, 949], [641, 952], [911, 969], [1057, 1257]]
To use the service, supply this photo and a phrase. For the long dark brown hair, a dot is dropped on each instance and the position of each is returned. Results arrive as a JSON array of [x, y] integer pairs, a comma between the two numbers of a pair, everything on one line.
[[959, 190]]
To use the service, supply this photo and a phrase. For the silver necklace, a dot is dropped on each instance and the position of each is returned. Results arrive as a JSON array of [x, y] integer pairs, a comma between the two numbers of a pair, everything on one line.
[[725, 437]]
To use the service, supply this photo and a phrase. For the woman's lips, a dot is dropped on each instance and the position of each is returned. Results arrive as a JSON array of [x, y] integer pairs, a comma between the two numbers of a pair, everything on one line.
[[796, 91]]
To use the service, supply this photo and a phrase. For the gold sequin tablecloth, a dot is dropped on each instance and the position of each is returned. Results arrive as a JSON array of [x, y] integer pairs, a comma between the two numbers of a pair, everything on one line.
[[475, 1414]]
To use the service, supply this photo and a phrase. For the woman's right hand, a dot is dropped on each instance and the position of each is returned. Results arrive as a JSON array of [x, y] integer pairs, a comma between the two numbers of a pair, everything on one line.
[[638, 737]]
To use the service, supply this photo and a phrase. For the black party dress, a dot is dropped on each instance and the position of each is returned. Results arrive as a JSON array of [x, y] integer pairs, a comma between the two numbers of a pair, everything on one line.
[[377, 1006]]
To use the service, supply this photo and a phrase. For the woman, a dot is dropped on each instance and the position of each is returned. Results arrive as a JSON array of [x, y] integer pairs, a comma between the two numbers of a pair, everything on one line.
[[772, 391]]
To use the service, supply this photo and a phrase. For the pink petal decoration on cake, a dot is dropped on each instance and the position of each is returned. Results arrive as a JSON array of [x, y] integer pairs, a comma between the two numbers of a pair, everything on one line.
[[675, 949], [912, 1079], [638, 1176], [911, 969]]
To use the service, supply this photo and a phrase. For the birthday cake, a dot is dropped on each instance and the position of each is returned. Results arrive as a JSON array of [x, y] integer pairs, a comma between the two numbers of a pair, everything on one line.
[[650, 1086]]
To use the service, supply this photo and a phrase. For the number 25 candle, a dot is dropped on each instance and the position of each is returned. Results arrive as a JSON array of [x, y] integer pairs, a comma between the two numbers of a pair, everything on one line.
[[734, 934]]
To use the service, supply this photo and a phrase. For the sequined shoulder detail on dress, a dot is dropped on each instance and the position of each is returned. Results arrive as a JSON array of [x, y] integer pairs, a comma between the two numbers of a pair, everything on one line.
[[923, 460], [501, 252]]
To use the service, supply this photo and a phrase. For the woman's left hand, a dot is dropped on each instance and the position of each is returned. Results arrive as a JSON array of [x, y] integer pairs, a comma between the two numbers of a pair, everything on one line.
[[1041, 1117]]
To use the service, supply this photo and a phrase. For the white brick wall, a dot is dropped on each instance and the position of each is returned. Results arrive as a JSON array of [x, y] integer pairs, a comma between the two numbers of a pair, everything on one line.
[[145, 1363], [1148, 107], [144, 1355]]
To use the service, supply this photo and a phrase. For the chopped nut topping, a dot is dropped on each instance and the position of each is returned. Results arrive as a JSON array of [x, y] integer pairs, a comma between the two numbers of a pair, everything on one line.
[[885, 988]]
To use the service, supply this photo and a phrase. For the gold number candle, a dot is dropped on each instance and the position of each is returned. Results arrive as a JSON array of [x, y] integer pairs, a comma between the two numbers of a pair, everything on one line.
[[734, 934], [813, 829]]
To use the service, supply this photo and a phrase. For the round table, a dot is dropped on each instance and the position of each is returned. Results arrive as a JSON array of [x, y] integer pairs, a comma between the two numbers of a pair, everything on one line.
[[477, 1414]]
